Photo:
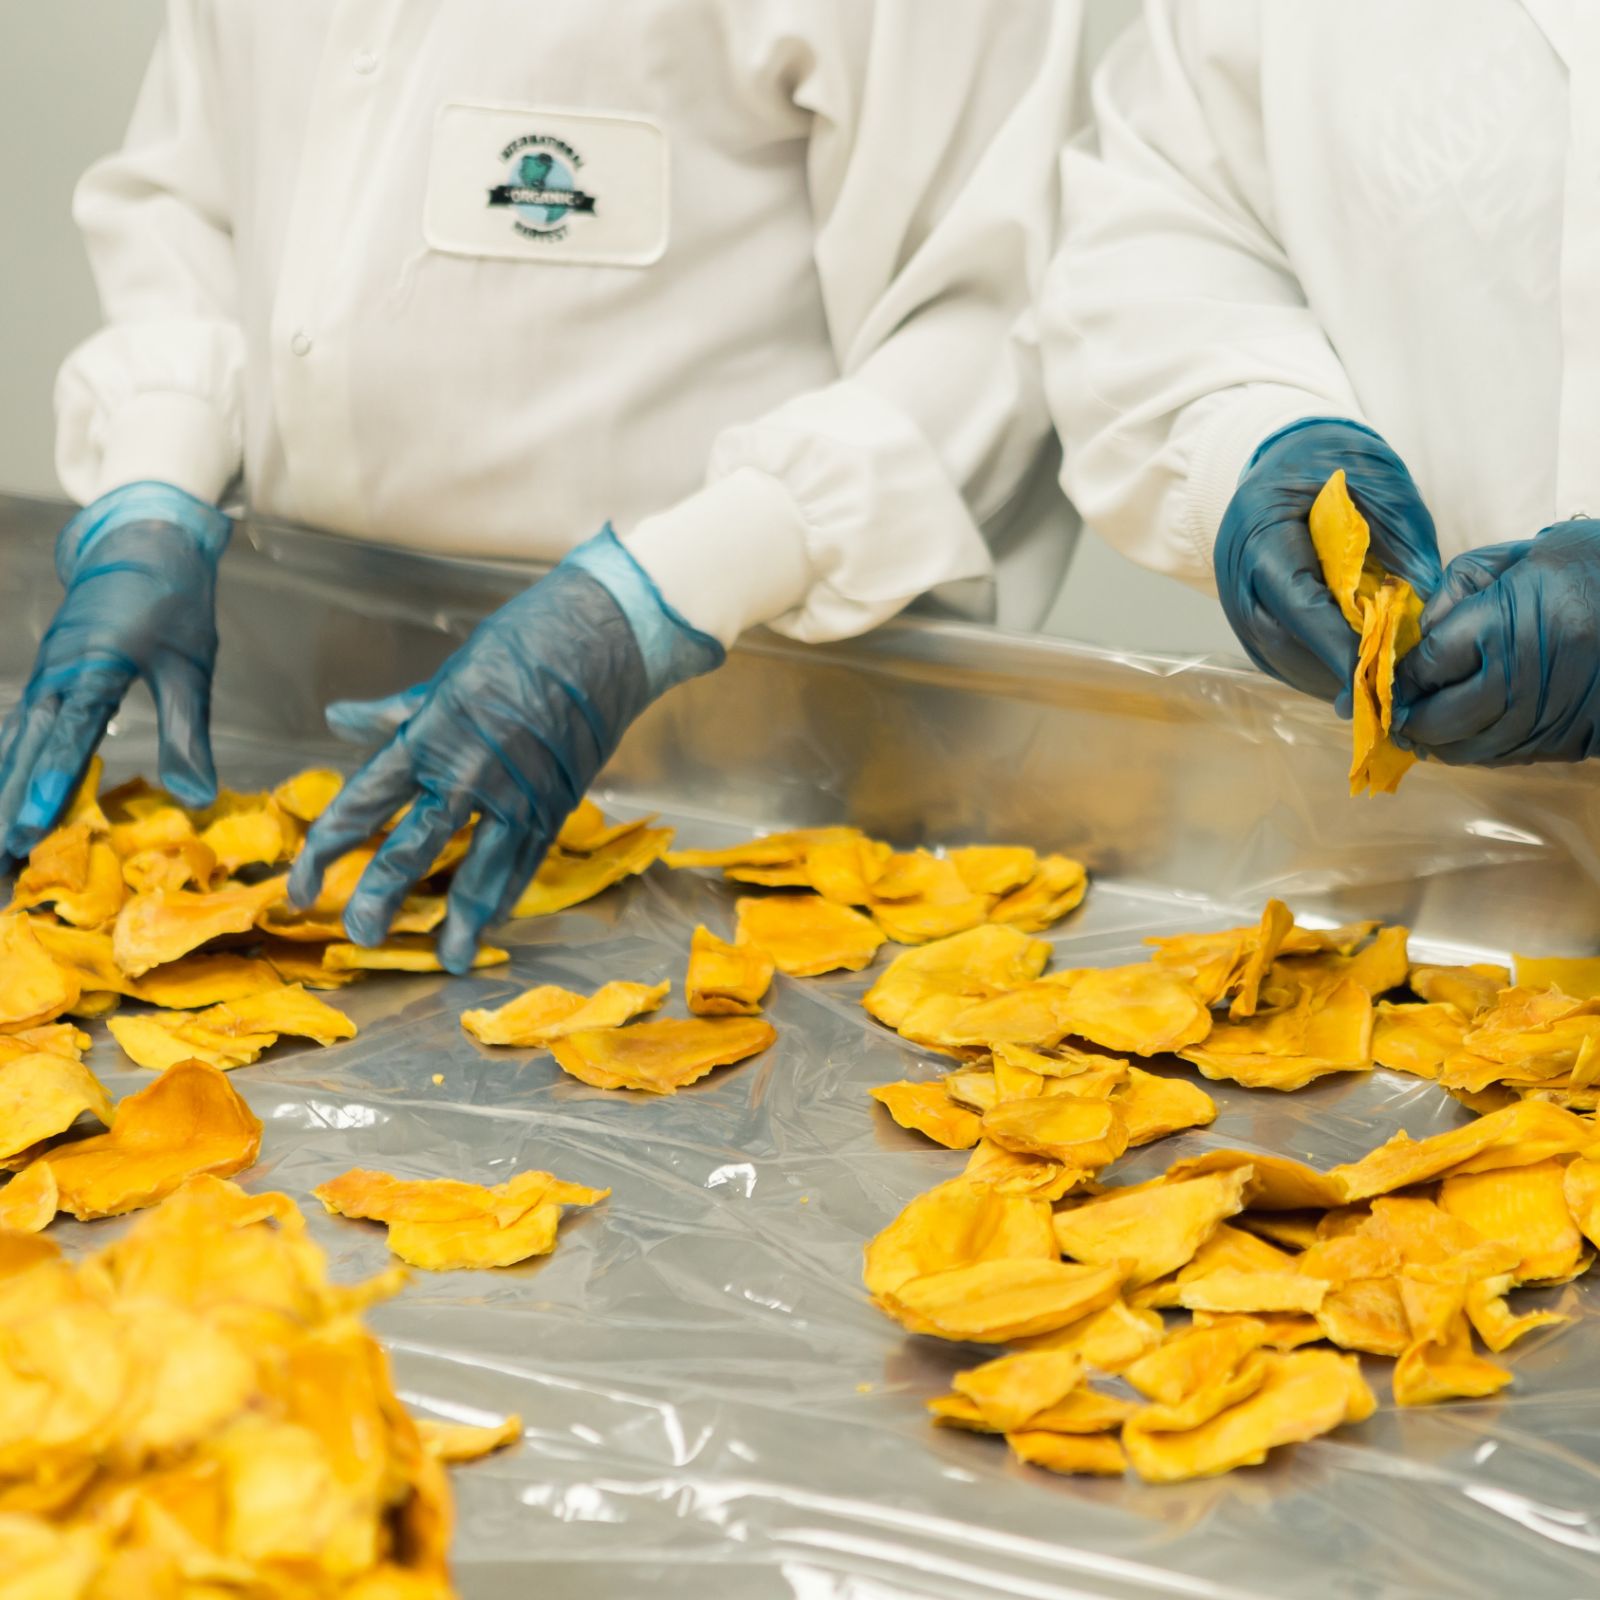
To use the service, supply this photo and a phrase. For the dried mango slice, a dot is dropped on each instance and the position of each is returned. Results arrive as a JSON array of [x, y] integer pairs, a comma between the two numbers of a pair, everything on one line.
[[293, 963], [42, 1095], [1417, 1038], [308, 794], [402, 955], [153, 929], [927, 1109], [28, 1203], [846, 870], [768, 850], [79, 875], [1254, 1292], [1493, 1320], [1142, 1009], [972, 1088], [726, 980], [1366, 1314], [1521, 1134], [444, 1225], [1222, 1390], [1152, 1106], [84, 953], [995, 868], [954, 1225], [1012, 1389], [1582, 1189], [1056, 888], [1089, 1455], [540, 1015], [1578, 976], [1191, 1359], [806, 935], [1276, 1183], [1084, 1410], [259, 836], [1107, 1340], [189, 1121], [1155, 1229], [1038, 1014], [1086, 1134], [1342, 540], [564, 881], [1440, 1363], [660, 1057], [939, 905], [1470, 989], [1228, 1249], [974, 965], [1014, 1173], [1524, 1206], [162, 1041], [33, 987], [1301, 1395], [993, 1302], [197, 981], [455, 1442]]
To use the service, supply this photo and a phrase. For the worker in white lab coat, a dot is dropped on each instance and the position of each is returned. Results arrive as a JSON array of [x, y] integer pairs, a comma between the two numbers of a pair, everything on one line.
[[745, 285], [1350, 233]]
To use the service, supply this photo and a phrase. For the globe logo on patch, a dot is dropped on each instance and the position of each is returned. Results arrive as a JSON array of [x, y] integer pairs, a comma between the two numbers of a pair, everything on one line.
[[541, 189]]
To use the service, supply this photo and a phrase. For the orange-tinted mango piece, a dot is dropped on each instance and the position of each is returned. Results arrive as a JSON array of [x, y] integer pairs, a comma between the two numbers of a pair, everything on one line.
[[34, 989], [563, 880], [660, 1057], [1097, 1455], [42, 1095], [726, 980], [1523, 1206], [153, 929], [974, 965], [993, 1302], [402, 954], [1057, 887], [926, 1108], [538, 1016], [806, 935]]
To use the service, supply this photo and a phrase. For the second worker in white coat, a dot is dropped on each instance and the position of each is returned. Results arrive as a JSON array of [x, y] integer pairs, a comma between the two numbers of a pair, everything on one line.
[[725, 303], [1350, 233]]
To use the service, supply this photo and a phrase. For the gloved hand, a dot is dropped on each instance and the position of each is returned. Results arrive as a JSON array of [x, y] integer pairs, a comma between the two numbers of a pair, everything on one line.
[[1508, 670], [514, 726], [1268, 575], [140, 569]]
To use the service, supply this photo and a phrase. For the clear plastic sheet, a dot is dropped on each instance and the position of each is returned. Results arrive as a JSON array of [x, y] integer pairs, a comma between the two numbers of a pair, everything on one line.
[[713, 1409]]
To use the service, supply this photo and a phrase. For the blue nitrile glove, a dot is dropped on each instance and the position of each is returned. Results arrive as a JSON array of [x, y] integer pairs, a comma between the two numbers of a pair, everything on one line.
[[514, 726], [140, 570], [1508, 670], [1268, 575]]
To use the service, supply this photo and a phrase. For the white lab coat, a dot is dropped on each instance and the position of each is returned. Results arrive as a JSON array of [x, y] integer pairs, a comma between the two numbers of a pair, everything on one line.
[[782, 338], [1389, 212]]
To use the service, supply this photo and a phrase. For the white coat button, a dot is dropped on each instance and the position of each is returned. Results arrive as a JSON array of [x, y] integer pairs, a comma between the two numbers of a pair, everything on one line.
[[301, 344], [364, 62]]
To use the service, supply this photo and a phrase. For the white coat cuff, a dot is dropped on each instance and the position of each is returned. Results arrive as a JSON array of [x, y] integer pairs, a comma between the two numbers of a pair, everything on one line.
[[1227, 440], [727, 558], [882, 521], [169, 436]]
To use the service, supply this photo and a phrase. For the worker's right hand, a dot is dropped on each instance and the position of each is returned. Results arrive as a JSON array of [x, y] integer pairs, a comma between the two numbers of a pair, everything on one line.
[[1268, 576], [140, 569]]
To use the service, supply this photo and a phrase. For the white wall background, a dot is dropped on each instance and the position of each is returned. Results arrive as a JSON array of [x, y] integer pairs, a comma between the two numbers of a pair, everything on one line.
[[69, 70]]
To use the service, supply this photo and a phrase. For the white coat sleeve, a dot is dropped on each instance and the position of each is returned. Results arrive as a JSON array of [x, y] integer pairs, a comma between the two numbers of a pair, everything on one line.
[[1176, 334], [158, 391], [936, 127]]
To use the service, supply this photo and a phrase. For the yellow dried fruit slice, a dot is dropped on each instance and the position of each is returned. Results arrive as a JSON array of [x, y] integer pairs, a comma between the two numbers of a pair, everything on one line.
[[1523, 1206], [153, 929], [1275, 1184], [940, 903], [1254, 1292], [1470, 989], [993, 1302], [1342, 540], [1366, 1314], [1521, 1134], [1013, 1173], [587, 829], [455, 1442], [1090, 1455], [726, 980], [1227, 1249], [261, 836], [660, 1057], [28, 1203], [1191, 1359], [1086, 1134], [769, 850], [1057, 887], [76, 873], [954, 1225], [1222, 1390], [564, 881], [1037, 1014], [995, 868], [1143, 1010], [1152, 1106], [1494, 1321], [927, 1109], [1417, 1038], [1440, 1363], [1012, 1389], [1301, 1395], [975, 965], [1155, 1229], [1582, 1189], [34, 989], [806, 935], [538, 1016], [402, 955], [308, 794], [197, 981], [1085, 1410], [42, 1095], [1107, 1340], [1578, 976], [160, 1041], [189, 1121]]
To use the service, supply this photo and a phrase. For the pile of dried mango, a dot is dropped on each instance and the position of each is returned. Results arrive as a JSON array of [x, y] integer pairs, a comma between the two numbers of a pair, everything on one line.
[[1406, 1253], [195, 1410]]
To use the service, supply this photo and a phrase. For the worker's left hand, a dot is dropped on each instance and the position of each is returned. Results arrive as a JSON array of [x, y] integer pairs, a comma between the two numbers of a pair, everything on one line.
[[514, 727], [1508, 670]]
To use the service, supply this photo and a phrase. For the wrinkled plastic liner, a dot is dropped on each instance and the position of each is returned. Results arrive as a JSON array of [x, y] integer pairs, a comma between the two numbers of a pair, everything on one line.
[[713, 1407]]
